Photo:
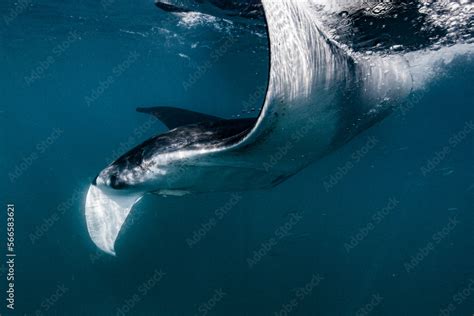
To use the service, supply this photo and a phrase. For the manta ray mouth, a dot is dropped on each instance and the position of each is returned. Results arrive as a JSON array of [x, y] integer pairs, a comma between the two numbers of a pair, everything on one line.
[[105, 215]]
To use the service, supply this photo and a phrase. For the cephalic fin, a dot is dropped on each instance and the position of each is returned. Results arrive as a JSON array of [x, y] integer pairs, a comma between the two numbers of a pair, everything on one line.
[[105, 215]]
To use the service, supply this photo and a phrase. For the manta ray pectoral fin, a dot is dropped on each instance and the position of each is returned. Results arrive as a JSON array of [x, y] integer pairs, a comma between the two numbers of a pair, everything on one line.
[[105, 215], [175, 117], [170, 7]]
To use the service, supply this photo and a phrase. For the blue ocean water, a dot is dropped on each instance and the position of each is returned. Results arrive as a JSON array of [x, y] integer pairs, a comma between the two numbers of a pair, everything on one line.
[[382, 226]]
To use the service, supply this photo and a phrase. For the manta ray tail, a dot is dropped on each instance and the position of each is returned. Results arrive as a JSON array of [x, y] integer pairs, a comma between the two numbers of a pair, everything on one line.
[[105, 215]]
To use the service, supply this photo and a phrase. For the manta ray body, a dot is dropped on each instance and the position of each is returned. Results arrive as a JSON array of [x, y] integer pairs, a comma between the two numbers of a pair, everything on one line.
[[319, 97]]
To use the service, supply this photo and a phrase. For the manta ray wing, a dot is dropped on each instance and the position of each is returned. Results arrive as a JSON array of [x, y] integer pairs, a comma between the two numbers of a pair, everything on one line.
[[319, 96], [302, 104]]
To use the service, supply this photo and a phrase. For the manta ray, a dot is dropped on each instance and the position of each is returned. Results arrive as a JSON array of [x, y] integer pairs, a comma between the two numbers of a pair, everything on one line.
[[320, 94]]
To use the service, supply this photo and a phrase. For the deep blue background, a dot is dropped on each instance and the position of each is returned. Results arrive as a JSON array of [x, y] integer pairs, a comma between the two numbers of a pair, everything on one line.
[[156, 237]]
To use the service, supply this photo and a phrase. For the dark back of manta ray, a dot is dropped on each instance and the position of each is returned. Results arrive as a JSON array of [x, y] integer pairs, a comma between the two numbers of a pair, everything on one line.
[[376, 25], [383, 25], [251, 9]]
